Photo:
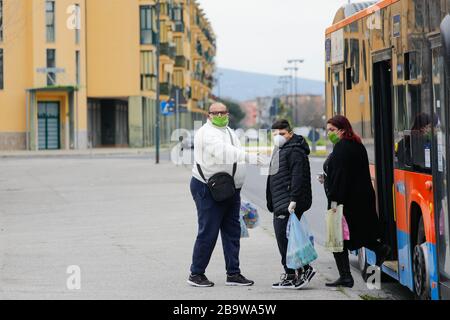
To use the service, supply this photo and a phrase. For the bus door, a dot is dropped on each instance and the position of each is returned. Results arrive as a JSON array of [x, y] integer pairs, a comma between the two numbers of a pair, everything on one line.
[[384, 150], [440, 166], [337, 87]]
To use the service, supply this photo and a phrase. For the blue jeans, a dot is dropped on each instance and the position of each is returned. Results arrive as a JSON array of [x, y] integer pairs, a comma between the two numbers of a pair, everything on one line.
[[214, 217]]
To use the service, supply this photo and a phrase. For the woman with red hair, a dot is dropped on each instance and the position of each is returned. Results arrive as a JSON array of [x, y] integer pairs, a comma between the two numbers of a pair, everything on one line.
[[348, 182]]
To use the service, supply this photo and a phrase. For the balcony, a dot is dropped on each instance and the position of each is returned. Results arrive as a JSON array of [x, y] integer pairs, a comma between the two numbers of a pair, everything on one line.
[[165, 88], [180, 62], [168, 50]]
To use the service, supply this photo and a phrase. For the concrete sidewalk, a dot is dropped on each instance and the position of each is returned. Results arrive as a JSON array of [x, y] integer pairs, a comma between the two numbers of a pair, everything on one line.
[[130, 226]]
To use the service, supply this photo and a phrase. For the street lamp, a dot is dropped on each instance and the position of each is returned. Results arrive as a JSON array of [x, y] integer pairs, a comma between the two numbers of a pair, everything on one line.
[[284, 81], [296, 62], [292, 71]]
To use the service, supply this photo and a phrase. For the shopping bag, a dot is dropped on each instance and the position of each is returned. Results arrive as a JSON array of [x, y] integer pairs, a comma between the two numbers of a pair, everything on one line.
[[345, 229], [334, 236], [300, 251], [244, 230], [250, 215]]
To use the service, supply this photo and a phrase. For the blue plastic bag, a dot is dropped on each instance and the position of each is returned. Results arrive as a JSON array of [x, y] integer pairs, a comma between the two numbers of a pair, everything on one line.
[[250, 215], [244, 230], [300, 251]]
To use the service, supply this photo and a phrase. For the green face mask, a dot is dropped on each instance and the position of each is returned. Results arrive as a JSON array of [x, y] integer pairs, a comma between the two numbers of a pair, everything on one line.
[[220, 121], [333, 137]]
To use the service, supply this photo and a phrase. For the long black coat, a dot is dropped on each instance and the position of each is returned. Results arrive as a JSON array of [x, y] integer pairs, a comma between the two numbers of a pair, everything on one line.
[[348, 182], [290, 178]]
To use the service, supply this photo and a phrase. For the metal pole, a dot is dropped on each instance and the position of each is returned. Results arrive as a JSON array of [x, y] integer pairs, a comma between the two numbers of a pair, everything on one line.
[[27, 136], [158, 107], [295, 68], [177, 108]]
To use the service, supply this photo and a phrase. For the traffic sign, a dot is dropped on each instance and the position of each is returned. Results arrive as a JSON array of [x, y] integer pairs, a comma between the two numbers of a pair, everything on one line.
[[167, 108]]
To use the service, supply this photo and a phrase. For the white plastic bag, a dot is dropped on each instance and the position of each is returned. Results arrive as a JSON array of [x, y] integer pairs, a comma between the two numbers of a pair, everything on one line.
[[335, 237]]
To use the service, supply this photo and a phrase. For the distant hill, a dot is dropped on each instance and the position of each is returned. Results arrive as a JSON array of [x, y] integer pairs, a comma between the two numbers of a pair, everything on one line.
[[243, 86]]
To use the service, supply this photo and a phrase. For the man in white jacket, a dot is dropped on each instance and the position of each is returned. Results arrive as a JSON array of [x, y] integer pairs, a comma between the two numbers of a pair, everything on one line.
[[217, 149]]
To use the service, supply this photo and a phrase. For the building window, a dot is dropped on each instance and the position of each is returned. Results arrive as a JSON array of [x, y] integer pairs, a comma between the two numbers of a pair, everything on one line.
[[1, 20], [50, 20], [146, 18], [1, 69], [148, 71], [51, 64], [77, 67]]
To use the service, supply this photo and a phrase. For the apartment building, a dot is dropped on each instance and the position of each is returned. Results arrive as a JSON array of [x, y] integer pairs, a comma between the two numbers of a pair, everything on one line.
[[82, 73]]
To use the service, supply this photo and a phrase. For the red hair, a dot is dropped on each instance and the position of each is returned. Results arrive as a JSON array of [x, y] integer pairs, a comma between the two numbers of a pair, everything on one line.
[[343, 124]]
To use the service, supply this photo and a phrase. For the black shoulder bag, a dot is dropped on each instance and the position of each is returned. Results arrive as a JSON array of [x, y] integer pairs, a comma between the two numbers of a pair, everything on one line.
[[221, 184]]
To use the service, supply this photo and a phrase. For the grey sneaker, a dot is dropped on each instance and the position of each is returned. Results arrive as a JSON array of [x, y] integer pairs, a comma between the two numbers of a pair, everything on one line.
[[238, 280], [199, 280]]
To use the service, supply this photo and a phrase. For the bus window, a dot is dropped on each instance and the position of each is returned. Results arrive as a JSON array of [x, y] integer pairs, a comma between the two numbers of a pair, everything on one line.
[[400, 125], [441, 171], [364, 60], [338, 91], [354, 59], [417, 140]]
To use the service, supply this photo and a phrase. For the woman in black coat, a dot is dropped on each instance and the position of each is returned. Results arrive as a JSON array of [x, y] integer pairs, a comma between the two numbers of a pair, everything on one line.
[[348, 182]]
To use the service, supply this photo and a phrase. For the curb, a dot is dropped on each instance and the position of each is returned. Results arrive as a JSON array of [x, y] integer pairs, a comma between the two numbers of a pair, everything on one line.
[[77, 154]]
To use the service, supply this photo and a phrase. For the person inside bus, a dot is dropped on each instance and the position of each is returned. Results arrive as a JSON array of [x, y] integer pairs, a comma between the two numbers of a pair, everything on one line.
[[347, 182], [414, 149]]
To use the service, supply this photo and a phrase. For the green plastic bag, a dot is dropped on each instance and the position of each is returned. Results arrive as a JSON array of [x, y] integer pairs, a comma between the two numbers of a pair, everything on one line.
[[335, 237]]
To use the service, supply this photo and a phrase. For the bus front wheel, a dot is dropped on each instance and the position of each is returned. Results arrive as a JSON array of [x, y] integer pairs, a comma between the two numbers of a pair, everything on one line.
[[420, 265]]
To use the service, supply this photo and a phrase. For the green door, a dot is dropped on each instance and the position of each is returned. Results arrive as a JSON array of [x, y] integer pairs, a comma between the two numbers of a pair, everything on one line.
[[48, 125]]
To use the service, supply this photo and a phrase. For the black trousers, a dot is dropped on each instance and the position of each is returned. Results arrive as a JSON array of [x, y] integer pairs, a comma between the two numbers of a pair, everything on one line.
[[280, 226], [343, 262]]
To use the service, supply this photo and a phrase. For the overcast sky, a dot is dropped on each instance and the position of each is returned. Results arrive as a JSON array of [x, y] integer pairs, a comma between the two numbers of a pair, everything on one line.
[[261, 35]]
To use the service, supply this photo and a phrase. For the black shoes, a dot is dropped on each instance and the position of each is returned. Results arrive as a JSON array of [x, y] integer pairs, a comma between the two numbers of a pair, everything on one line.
[[199, 280], [290, 281], [238, 280], [287, 282], [382, 254], [346, 282], [305, 278]]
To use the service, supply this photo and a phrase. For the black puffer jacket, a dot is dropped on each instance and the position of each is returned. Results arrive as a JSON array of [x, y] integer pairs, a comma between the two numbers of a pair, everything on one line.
[[292, 180]]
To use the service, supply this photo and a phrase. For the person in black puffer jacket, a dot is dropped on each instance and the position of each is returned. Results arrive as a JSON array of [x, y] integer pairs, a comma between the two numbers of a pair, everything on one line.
[[289, 190]]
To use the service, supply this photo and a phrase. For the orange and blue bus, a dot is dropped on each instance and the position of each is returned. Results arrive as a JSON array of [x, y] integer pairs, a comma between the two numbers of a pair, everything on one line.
[[387, 69]]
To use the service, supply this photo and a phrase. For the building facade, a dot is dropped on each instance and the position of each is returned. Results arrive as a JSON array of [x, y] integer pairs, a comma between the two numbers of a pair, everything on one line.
[[82, 73]]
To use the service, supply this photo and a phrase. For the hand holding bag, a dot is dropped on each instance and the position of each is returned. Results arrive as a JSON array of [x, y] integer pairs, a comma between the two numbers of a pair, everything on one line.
[[335, 237]]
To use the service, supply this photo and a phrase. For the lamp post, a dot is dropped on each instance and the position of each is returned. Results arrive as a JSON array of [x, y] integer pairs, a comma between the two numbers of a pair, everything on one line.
[[295, 68], [158, 107], [296, 62], [292, 71]]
